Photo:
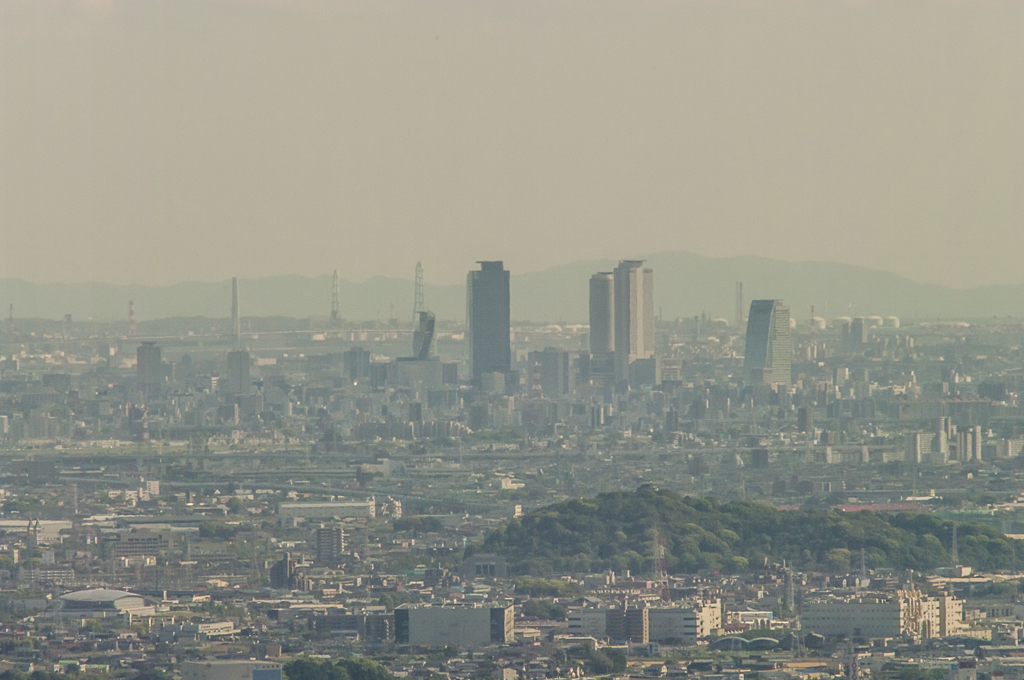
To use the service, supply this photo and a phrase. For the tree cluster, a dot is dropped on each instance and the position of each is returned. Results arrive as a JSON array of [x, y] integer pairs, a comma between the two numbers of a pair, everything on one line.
[[620, 531], [351, 668]]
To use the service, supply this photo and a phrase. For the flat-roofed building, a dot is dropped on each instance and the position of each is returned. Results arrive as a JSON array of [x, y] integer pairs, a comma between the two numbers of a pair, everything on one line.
[[231, 670], [342, 510], [685, 624], [903, 613], [587, 622], [140, 542], [628, 624], [464, 625]]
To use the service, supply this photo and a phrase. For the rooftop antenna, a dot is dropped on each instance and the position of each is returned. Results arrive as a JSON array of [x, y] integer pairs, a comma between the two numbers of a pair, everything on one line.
[[739, 304], [60, 617], [131, 318], [417, 301], [660, 576], [851, 669], [792, 594], [335, 298], [236, 325]]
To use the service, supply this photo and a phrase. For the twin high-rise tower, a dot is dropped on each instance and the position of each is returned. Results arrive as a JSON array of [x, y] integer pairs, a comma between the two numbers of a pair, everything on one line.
[[622, 320]]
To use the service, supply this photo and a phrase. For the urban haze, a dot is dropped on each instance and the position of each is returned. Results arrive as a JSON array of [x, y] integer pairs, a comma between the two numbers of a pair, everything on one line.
[[511, 340]]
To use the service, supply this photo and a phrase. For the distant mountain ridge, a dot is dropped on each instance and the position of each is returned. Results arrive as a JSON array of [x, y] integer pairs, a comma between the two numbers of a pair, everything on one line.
[[685, 284]]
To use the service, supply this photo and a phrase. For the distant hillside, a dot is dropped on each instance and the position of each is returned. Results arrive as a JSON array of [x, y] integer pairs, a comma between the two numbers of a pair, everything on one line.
[[685, 285], [618, 531]]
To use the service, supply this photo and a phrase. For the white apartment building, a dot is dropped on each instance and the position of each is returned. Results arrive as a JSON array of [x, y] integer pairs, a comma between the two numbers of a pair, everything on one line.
[[687, 623]]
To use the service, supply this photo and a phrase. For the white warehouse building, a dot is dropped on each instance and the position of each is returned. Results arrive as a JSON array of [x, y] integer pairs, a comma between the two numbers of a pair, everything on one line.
[[330, 510]]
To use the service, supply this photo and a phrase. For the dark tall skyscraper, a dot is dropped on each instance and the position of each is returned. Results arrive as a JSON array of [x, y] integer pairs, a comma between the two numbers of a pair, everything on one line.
[[552, 371], [487, 320], [602, 313], [238, 380], [330, 544], [858, 332], [768, 355], [148, 369], [357, 363]]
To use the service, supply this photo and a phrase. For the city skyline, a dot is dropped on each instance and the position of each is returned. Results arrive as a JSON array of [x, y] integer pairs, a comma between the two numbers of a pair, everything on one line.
[[691, 285], [511, 340]]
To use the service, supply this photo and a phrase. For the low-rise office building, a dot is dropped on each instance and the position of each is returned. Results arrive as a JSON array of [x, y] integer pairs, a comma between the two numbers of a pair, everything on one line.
[[685, 624], [341, 510], [231, 670], [464, 625]]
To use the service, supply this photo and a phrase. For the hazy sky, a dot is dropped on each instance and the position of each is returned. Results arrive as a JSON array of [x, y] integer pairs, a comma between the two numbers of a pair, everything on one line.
[[154, 141]]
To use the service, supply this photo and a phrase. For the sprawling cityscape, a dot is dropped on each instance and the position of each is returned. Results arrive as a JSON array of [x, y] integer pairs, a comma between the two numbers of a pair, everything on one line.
[[772, 495]]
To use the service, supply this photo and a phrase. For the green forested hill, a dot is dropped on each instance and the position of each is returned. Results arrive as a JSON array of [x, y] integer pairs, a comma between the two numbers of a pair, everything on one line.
[[618, 531]]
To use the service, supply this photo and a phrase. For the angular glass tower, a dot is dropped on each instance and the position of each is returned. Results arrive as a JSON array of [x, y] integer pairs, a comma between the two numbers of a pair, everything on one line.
[[768, 355]]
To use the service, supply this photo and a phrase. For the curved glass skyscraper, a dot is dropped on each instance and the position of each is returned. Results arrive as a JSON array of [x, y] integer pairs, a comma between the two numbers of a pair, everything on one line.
[[768, 355]]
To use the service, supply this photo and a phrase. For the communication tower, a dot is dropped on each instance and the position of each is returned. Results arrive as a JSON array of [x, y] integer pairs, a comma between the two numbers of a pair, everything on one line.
[[660, 575], [335, 298], [791, 593], [739, 305], [417, 302], [852, 672], [236, 324], [131, 318]]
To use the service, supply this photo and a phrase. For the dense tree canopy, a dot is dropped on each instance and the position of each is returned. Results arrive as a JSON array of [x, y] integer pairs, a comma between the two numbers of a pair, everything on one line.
[[619, 531], [346, 669]]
